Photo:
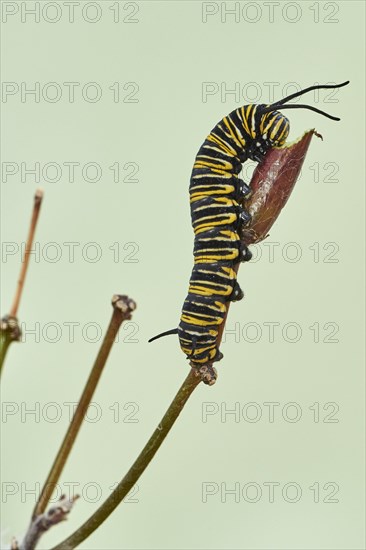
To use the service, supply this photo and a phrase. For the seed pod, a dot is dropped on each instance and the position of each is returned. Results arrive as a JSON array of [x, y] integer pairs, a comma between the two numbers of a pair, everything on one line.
[[272, 183]]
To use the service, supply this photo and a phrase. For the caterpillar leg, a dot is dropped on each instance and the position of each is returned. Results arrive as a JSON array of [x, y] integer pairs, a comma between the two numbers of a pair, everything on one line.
[[243, 191], [244, 253], [244, 218], [237, 293]]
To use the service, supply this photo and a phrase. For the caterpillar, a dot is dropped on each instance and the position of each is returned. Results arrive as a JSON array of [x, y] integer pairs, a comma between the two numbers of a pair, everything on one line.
[[217, 217]]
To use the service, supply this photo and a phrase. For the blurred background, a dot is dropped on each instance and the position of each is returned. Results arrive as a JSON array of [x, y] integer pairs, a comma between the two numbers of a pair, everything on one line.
[[105, 105]]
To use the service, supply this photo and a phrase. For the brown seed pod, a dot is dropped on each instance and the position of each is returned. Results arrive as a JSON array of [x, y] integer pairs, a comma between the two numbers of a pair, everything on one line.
[[272, 183]]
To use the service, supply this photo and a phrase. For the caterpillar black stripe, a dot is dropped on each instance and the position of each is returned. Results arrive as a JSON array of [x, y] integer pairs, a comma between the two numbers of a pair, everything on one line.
[[215, 192]]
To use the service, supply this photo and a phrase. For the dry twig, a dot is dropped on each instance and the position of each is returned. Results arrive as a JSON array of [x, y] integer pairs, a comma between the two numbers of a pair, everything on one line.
[[54, 515], [9, 329], [28, 247]]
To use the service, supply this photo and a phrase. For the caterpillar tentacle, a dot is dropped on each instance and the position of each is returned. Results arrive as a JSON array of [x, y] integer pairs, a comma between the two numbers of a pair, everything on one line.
[[166, 333]]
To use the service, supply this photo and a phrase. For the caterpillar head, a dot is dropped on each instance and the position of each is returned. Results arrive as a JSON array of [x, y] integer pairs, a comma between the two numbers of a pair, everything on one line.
[[271, 130], [271, 127]]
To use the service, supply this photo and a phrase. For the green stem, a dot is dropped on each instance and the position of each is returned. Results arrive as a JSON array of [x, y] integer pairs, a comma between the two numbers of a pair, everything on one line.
[[122, 307], [137, 468], [9, 332], [5, 342]]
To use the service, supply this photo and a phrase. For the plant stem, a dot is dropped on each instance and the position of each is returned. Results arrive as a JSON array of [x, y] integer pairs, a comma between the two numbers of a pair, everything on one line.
[[28, 247], [138, 467], [9, 330], [54, 515], [4, 345], [122, 308]]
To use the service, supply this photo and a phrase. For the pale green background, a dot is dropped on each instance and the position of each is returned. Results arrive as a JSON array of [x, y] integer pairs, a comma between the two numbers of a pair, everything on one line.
[[170, 52]]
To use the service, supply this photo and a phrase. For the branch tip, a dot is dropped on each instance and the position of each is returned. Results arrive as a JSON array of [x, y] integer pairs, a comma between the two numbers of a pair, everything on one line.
[[38, 196], [9, 326], [60, 510], [43, 522], [124, 304], [207, 373]]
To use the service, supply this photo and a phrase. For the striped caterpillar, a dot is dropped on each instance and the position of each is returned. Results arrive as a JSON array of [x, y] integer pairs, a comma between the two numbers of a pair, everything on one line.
[[217, 217]]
